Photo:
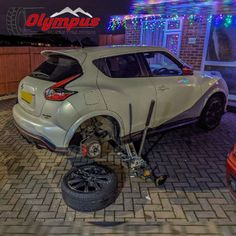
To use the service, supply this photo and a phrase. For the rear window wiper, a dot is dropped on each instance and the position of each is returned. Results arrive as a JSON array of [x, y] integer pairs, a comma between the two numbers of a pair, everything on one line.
[[40, 74]]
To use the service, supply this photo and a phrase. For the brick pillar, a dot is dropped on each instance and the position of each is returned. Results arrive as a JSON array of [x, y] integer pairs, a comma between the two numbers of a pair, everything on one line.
[[193, 53], [132, 35]]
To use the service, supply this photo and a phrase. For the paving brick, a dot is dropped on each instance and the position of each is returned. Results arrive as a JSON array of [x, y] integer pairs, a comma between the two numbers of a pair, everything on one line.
[[205, 204], [70, 216], [205, 214], [139, 212], [166, 204], [46, 215], [115, 208], [128, 204], [153, 207], [191, 217], [124, 214], [40, 208], [6, 207], [179, 213], [164, 214]]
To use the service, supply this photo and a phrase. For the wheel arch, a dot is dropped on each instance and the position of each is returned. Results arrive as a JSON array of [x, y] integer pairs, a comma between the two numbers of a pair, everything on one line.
[[107, 114]]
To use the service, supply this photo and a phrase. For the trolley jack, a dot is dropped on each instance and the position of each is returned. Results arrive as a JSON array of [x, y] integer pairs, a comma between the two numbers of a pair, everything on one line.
[[137, 165]]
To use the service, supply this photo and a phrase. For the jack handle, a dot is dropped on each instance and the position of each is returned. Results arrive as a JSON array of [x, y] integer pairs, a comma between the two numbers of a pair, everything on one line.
[[150, 113]]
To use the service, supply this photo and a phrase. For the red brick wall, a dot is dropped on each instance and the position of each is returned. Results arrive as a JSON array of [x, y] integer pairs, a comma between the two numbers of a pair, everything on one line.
[[193, 53], [132, 36], [110, 39], [190, 53]]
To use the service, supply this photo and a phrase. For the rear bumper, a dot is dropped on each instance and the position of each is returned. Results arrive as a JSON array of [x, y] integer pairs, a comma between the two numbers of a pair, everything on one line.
[[39, 141], [38, 131]]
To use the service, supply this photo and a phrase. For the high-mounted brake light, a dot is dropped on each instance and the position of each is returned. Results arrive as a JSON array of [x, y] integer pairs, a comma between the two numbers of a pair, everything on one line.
[[57, 92]]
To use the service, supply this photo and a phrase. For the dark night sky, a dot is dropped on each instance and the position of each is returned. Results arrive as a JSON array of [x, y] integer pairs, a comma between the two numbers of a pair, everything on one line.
[[106, 8], [100, 8]]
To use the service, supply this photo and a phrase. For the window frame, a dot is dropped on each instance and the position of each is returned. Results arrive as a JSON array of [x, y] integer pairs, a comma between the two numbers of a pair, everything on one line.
[[137, 57], [166, 32], [206, 62], [168, 55]]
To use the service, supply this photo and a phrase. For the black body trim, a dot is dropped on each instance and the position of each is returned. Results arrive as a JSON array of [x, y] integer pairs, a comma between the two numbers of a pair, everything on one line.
[[160, 129]]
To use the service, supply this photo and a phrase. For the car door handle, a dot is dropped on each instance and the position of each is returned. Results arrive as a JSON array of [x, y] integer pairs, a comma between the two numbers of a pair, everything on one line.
[[163, 88]]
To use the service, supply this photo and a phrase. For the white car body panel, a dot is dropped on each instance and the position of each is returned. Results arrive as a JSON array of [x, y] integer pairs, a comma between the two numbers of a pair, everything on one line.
[[175, 95], [123, 92]]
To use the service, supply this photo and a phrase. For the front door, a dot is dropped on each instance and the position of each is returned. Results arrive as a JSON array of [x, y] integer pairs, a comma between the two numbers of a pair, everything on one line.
[[176, 93]]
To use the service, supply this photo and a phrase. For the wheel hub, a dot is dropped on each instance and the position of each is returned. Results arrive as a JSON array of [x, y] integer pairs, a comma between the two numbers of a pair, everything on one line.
[[214, 112], [94, 148]]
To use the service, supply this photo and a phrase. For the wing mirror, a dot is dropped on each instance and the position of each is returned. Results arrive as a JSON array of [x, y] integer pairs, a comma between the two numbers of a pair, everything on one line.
[[187, 71]]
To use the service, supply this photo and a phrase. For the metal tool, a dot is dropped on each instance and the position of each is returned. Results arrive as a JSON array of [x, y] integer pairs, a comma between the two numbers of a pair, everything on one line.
[[138, 166]]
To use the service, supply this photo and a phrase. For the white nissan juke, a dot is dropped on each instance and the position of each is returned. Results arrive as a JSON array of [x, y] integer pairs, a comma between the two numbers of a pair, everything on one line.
[[96, 94]]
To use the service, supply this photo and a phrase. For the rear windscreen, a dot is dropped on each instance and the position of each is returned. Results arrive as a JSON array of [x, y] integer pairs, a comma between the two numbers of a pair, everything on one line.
[[57, 68]]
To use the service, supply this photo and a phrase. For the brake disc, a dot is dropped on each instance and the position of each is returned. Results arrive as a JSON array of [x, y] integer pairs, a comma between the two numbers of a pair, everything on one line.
[[94, 148]]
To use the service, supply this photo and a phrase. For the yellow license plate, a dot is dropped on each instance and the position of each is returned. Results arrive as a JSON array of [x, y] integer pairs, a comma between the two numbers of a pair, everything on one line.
[[26, 96]]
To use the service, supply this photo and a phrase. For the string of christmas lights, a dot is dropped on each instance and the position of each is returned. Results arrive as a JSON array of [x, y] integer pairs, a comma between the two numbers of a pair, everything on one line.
[[152, 22]]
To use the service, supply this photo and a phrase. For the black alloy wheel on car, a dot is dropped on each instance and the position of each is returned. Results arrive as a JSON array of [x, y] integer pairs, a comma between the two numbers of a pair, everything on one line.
[[212, 113]]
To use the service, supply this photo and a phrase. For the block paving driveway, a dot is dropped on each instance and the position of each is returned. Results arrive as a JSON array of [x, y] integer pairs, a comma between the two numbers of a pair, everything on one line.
[[194, 200]]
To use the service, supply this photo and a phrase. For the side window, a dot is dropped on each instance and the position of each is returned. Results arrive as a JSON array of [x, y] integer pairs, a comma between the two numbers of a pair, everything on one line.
[[102, 66], [162, 65], [123, 66]]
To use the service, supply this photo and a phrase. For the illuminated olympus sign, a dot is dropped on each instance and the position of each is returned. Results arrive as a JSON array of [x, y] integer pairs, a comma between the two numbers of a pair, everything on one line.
[[57, 21]]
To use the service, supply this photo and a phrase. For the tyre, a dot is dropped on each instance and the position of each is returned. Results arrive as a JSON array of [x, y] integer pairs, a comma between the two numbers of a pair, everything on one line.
[[212, 113], [90, 187]]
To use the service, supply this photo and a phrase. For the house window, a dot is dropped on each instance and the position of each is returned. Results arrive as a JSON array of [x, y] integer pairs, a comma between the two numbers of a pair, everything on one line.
[[163, 34], [220, 53]]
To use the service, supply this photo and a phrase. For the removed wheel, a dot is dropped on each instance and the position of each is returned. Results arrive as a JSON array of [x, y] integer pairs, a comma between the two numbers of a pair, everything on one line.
[[89, 187], [212, 113]]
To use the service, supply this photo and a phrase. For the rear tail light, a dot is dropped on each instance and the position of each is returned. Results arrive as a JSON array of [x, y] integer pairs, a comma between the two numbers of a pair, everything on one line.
[[57, 92]]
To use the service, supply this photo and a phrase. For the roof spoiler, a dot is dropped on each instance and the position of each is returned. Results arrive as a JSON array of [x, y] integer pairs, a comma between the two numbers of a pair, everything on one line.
[[75, 54]]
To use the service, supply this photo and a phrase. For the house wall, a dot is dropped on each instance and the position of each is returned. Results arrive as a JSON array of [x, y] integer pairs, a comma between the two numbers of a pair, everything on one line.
[[192, 54], [132, 36]]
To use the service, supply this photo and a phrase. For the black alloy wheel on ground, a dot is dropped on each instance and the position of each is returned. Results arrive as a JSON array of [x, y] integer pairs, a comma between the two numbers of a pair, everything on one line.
[[212, 113], [89, 187]]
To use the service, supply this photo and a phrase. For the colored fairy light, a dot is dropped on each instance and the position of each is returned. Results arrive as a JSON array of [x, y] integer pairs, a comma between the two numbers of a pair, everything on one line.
[[228, 21], [155, 21]]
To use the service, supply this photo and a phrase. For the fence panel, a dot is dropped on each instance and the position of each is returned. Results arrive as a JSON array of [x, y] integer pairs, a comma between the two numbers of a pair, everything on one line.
[[16, 63]]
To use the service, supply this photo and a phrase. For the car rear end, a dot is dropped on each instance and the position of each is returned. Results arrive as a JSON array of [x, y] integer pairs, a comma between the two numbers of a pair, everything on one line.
[[43, 100], [231, 171]]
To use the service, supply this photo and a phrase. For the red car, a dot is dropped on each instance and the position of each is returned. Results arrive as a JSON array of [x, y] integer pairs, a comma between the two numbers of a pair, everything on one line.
[[231, 171]]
